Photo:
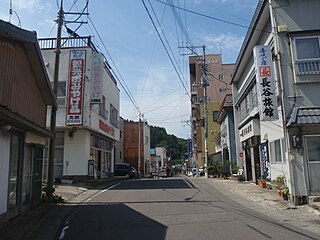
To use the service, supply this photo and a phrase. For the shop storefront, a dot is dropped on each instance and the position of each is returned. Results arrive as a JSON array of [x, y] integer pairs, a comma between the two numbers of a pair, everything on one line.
[[250, 138]]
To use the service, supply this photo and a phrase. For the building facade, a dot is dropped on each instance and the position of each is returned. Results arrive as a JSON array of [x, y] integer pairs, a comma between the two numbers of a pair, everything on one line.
[[227, 139], [218, 77], [119, 158], [131, 146], [275, 91], [25, 94], [88, 110]]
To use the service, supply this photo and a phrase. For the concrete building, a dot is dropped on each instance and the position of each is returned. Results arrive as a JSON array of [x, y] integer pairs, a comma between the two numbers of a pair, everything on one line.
[[227, 139], [276, 86], [131, 146], [88, 111], [119, 158], [25, 94], [218, 77]]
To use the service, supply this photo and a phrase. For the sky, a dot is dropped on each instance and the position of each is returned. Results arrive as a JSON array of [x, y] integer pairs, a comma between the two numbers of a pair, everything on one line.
[[123, 31]]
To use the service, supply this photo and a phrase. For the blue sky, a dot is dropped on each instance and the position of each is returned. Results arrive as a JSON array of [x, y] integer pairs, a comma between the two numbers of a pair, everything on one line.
[[127, 32]]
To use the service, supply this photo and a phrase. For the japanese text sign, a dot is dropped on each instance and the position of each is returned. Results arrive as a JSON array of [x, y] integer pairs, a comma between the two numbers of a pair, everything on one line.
[[265, 83], [75, 87]]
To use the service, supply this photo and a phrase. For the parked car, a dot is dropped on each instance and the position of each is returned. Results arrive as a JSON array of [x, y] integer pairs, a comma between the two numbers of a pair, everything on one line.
[[126, 170]]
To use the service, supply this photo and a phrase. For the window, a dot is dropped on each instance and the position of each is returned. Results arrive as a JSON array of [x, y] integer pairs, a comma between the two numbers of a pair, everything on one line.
[[61, 93], [102, 109], [276, 153], [215, 115], [221, 77], [307, 55], [113, 116]]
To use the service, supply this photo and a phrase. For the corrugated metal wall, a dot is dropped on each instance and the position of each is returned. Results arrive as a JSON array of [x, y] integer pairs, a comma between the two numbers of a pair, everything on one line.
[[19, 91]]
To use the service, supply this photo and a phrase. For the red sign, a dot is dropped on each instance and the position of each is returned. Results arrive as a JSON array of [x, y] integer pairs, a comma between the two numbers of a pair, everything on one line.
[[106, 128]]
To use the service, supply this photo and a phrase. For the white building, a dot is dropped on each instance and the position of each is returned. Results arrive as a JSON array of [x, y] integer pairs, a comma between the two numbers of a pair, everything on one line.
[[87, 117], [276, 86]]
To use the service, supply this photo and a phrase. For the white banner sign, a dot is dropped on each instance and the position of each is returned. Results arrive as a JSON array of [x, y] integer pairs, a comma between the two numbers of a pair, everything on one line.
[[265, 83], [249, 130], [75, 87], [96, 78]]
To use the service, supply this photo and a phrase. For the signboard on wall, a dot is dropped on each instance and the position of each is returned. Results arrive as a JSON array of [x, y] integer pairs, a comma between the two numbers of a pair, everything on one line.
[[265, 83], [97, 66], [249, 130], [75, 87], [265, 161]]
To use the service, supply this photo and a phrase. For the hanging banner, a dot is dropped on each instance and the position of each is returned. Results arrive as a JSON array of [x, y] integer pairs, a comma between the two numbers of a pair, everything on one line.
[[265, 161], [265, 83], [97, 66], [75, 87]]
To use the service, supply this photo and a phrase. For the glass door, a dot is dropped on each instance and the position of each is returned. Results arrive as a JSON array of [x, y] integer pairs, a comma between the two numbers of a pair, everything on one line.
[[14, 175], [313, 154]]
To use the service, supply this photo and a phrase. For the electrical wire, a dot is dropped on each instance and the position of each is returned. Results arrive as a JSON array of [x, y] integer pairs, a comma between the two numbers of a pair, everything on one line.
[[166, 39], [163, 44], [122, 82], [213, 18]]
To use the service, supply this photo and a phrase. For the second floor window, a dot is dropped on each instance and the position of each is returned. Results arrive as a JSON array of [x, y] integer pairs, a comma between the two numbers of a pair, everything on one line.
[[307, 53], [113, 116], [102, 109]]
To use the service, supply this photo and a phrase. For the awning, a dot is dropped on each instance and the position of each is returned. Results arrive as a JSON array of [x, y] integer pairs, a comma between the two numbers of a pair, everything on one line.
[[304, 115]]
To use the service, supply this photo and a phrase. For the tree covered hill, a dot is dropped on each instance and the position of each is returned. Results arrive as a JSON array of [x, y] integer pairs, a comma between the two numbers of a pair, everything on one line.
[[177, 148]]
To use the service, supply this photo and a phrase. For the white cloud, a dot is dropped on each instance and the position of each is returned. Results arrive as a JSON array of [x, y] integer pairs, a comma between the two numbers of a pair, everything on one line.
[[229, 43]]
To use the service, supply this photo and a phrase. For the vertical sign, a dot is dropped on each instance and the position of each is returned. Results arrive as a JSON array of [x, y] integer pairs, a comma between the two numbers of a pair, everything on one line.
[[265, 83], [75, 87], [190, 147], [96, 78], [265, 161], [91, 168]]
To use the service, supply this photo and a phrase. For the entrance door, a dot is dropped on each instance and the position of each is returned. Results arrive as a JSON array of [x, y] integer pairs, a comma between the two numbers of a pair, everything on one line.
[[37, 174], [14, 188], [313, 156]]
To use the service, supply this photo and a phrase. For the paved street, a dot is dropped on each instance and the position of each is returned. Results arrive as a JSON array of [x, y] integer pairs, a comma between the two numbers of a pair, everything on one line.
[[173, 208]]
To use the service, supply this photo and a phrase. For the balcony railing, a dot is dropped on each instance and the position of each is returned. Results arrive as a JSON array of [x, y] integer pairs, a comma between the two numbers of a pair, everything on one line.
[[308, 67], [70, 42]]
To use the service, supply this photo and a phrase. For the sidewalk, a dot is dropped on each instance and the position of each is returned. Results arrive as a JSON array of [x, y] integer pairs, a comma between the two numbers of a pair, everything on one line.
[[270, 203]]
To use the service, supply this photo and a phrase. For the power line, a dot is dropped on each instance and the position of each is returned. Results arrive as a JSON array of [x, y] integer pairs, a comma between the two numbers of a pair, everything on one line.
[[163, 44], [122, 82], [213, 18]]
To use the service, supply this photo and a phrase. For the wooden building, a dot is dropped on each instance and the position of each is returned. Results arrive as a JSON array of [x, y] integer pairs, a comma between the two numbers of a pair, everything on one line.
[[25, 94]]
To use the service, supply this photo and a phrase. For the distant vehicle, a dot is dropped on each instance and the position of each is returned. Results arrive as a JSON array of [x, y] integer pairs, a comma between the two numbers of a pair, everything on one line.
[[126, 170]]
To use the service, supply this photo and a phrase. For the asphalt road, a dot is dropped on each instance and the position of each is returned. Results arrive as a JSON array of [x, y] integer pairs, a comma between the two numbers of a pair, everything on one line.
[[172, 208]]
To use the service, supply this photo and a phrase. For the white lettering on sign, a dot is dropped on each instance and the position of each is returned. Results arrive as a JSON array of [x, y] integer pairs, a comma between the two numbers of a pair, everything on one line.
[[75, 87]]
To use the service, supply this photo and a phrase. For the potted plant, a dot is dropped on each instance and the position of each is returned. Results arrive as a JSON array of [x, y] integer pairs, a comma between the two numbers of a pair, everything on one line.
[[262, 183], [285, 194]]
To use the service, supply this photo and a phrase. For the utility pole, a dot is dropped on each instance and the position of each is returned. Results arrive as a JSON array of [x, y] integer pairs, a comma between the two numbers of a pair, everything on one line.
[[54, 109], [204, 84], [139, 145]]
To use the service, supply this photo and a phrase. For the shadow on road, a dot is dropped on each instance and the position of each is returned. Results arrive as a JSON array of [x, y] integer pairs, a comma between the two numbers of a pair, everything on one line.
[[114, 221]]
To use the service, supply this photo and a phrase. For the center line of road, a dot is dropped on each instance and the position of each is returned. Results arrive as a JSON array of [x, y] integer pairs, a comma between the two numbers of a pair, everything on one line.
[[102, 191]]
